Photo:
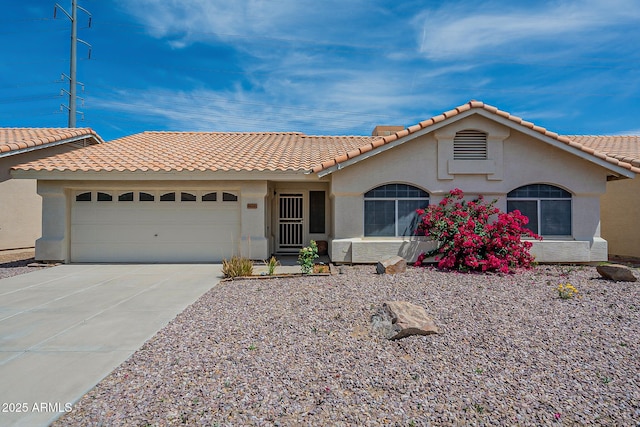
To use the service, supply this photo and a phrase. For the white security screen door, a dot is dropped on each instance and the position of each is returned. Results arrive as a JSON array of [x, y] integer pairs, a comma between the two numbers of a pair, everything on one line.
[[290, 222]]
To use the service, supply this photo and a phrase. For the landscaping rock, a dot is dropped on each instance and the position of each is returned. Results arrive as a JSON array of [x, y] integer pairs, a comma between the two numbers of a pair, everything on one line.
[[399, 319], [392, 265], [617, 272]]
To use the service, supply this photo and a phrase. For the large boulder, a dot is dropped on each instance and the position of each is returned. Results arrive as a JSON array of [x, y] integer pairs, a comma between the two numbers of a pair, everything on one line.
[[393, 265], [617, 272], [399, 319]]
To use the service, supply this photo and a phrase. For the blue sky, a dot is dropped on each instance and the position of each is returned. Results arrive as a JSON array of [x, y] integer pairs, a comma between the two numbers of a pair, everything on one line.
[[323, 66]]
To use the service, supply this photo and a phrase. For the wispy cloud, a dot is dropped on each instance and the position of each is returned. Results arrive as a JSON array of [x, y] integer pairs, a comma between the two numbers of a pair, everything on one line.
[[458, 31], [343, 67], [352, 104], [188, 21], [629, 132], [299, 69]]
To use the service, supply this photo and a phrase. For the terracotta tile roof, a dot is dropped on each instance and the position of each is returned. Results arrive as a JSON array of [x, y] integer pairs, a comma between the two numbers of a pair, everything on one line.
[[606, 150], [14, 139], [229, 151], [203, 151], [625, 148]]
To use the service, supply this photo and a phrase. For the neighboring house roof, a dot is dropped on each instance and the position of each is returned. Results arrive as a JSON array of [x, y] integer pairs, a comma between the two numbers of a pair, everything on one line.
[[215, 151], [584, 144], [203, 151], [625, 148], [18, 140]]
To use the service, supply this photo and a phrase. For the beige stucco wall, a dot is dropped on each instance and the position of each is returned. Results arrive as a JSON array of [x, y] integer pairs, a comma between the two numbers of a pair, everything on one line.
[[620, 212], [20, 205], [20, 208], [519, 160]]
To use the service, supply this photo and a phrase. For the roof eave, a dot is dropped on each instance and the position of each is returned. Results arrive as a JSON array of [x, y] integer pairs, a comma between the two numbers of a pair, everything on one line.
[[617, 170], [51, 144], [172, 175], [394, 143]]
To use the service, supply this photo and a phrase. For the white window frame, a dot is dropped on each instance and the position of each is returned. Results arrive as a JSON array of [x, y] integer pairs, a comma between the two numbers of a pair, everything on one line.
[[394, 199], [539, 209]]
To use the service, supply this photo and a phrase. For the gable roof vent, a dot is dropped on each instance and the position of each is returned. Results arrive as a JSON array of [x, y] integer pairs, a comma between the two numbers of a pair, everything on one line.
[[470, 145]]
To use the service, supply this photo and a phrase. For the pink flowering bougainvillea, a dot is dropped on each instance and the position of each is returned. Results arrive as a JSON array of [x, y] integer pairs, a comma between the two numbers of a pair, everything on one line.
[[475, 235]]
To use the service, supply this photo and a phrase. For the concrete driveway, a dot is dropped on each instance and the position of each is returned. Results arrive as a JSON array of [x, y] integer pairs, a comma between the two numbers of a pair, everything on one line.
[[63, 329]]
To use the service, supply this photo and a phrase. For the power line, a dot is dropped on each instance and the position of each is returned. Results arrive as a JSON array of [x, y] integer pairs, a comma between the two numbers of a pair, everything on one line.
[[29, 84], [56, 30], [27, 98], [12, 21]]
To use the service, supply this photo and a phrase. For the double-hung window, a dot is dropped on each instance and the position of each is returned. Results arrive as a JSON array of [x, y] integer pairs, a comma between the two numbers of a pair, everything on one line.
[[390, 210], [548, 208]]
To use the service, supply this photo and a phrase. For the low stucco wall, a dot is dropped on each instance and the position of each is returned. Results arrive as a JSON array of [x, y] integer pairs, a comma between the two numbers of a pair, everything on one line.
[[368, 251], [570, 251], [620, 211]]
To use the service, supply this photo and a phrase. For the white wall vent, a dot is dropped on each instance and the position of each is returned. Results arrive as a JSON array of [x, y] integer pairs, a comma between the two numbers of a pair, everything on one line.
[[470, 145]]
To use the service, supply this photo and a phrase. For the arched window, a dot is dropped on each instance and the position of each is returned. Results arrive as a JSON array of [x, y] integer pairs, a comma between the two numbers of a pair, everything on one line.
[[146, 197], [390, 210], [548, 208], [83, 197], [104, 197], [229, 197], [168, 197], [210, 197], [126, 197], [187, 197]]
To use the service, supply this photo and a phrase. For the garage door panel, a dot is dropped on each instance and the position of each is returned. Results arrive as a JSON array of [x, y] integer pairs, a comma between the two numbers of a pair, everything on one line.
[[148, 234], [154, 231], [158, 219], [144, 253]]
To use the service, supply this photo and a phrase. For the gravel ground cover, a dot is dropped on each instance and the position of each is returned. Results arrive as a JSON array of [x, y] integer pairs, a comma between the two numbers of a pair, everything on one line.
[[299, 351], [13, 263]]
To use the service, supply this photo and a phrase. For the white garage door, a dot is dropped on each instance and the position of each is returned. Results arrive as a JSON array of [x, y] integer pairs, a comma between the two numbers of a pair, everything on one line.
[[154, 226]]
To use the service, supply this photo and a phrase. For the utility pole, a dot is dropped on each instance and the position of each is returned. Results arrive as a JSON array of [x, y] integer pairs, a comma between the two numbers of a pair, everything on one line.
[[73, 82]]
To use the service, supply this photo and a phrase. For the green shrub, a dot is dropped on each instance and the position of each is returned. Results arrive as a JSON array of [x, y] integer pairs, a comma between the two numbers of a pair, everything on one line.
[[307, 257], [237, 267], [475, 235]]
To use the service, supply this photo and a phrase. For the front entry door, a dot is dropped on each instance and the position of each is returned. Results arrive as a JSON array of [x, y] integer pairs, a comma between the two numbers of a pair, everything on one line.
[[290, 222]]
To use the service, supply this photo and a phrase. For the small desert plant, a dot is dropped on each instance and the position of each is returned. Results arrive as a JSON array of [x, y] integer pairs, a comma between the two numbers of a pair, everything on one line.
[[271, 264], [237, 267], [307, 257], [567, 291]]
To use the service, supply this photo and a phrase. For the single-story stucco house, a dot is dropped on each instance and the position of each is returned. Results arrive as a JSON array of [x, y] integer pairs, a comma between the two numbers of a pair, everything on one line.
[[20, 205], [205, 196]]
